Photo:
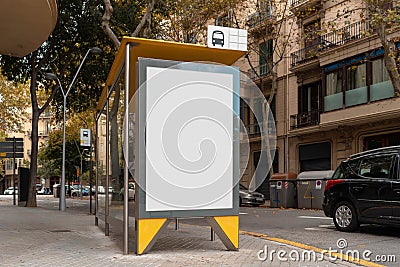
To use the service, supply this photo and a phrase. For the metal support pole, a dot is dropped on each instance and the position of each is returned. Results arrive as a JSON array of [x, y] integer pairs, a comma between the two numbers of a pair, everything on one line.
[[65, 94], [13, 166], [80, 175], [62, 204], [176, 224], [106, 197], [96, 192], [212, 235], [90, 177], [126, 148]]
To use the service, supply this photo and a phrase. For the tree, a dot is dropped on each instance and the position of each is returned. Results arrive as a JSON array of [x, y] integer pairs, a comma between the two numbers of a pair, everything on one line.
[[139, 25], [14, 100], [383, 18], [186, 20], [50, 164], [76, 31]]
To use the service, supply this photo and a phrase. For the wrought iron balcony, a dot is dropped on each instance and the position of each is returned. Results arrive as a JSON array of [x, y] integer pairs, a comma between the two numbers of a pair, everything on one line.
[[305, 55], [354, 31], [257, 19], [348, 33], [255, 129], [296, 2], [259, 71], [304, 119]]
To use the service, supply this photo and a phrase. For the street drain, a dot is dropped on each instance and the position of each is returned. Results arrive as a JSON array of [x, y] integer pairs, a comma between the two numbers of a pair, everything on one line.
[[60, 231]]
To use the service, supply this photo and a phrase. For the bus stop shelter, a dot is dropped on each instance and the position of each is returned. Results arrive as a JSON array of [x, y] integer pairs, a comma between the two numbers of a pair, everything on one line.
[[124, 138]]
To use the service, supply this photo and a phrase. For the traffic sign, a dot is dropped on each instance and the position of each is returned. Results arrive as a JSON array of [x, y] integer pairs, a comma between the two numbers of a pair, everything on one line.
[[11, 139], [11, 155], [11, 149], [226, 38], [86, 137]]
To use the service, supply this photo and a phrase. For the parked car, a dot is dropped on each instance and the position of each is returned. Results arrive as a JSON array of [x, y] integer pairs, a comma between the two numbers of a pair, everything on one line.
[[131, 191], [250, 198], [10, 191], [44, 191], [102, 190], [365, 188], [76, 191]]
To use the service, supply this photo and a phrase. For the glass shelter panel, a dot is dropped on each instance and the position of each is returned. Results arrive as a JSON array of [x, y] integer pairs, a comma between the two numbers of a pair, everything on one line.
[[101, 163], [116, 159]]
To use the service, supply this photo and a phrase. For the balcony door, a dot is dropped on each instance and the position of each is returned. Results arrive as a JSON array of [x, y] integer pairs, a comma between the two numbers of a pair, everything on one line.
[[309, 97]]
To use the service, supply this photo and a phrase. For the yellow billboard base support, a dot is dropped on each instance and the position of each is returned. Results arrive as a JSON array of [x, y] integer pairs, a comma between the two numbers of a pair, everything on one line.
[[227, 229], [147, 232]]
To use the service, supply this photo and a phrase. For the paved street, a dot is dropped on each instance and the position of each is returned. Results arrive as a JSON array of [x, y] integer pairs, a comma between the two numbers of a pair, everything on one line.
[[44, 236], [276, 228], [313, 228]]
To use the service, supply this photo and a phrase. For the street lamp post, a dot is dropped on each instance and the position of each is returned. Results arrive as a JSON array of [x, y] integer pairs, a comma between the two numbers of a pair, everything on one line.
[[52, 76]]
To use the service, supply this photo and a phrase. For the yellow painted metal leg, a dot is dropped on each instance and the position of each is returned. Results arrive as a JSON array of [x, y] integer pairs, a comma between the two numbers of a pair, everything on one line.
[[227, 228], [147, 232]]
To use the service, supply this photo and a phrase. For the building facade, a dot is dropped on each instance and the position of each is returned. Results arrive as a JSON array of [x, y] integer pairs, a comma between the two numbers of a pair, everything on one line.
[[332, 95], [45, 125]]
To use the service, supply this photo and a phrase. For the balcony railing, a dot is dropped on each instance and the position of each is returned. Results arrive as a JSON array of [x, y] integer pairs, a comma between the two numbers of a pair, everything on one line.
[[304, 55], [259, 71], [43, 133], [255, 129], [346, 34], [354, 31], [258, 18], [296, 2], [304, 119]]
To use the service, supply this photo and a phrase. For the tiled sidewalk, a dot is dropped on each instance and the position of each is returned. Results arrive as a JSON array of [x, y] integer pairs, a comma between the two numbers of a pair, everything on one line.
[[42, 237]]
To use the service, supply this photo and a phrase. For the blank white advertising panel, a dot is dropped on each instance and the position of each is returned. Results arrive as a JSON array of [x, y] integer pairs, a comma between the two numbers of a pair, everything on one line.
[[189, 140]]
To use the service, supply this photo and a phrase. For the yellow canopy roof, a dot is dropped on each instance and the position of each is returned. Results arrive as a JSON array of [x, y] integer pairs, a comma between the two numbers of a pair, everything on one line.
[[25, 25], [157, 49]]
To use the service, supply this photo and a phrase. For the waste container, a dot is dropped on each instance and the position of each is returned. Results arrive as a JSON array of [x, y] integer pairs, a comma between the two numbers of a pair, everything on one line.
[[310, 188], [56, 190], [283, 190]]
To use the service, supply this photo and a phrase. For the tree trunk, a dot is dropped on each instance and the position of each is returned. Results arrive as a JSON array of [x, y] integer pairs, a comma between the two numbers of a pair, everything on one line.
[[390, 61], [390, 55], [31, 202]]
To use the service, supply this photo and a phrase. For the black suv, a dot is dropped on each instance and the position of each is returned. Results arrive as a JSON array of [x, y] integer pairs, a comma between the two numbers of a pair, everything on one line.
[[365, 188]]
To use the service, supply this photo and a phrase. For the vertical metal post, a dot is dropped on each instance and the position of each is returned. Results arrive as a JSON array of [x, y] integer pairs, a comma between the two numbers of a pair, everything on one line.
[[212, 235], [96, 158], [62, 189], [176, 224], [80, 176], [107, 208], [126, 148], [13, 166], [90, 175]]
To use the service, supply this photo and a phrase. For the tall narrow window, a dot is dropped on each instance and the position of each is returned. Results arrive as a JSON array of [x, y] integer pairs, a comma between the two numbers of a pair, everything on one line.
[[356, 76], [266, 54], [379, 71], [334, 83]]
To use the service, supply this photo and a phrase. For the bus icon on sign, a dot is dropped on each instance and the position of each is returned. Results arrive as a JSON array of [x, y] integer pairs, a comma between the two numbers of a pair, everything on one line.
[[218, 38]]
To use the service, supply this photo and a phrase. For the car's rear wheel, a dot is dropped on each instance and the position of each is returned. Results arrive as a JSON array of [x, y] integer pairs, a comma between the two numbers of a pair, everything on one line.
[[345, 217]]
